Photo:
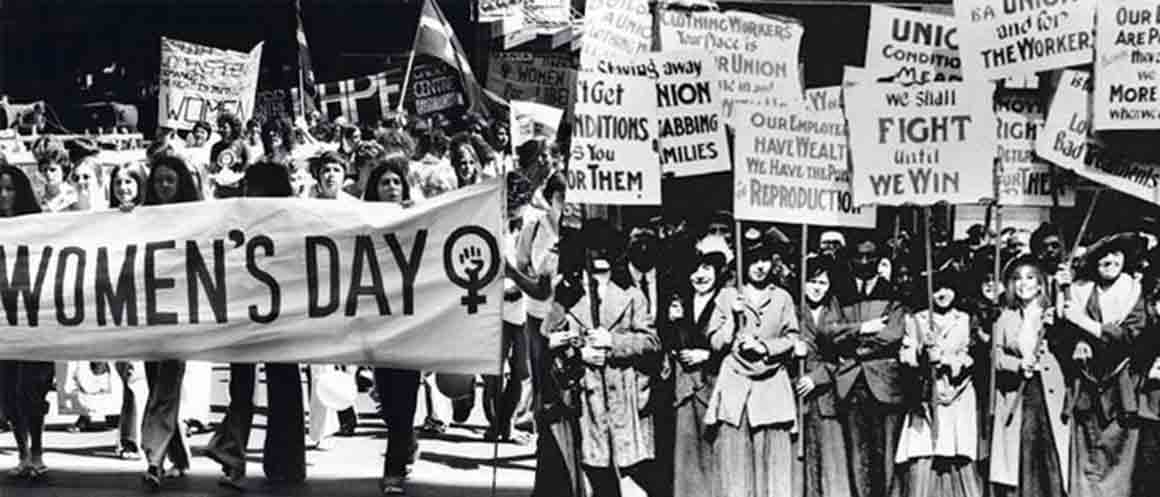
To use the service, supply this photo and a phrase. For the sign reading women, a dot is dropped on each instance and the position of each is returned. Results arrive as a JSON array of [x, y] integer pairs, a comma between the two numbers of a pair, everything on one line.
[[198, 82]]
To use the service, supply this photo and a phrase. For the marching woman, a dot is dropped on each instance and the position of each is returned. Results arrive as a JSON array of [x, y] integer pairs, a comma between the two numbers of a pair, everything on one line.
[[1029, 440], [826, 468], [1103, 316], [937, 452], [398, 388], [695, 315], [752, 403], [126, 191], [169, 182], [228, 159], [26, 382]]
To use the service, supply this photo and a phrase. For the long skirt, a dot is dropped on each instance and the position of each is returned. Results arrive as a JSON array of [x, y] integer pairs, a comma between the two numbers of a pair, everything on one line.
[[694, 460], [1039, 471], [826, 466], [1102, 458], [938, 477], [1146, 477], [755, 462], [161, 433]]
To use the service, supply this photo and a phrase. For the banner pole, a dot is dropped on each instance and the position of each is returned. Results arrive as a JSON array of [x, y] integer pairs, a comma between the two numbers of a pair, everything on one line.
[[411, 59], [932, 391], [801, 361]]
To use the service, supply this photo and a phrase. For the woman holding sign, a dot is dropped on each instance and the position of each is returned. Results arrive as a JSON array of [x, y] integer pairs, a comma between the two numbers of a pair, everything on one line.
[[169, 182], [27, 382]]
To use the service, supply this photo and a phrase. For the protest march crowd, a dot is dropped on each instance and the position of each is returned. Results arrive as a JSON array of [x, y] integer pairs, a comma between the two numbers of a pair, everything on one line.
[[695, 351]]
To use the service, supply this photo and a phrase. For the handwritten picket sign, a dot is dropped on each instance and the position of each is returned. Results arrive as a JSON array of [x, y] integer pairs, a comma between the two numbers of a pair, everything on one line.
[[1024, 179], [1002, 39], [1127, 66], [615, 29], [912, 47], [198, 82]]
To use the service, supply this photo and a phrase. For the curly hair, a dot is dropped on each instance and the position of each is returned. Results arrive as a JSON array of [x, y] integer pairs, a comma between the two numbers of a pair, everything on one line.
[[395, 164], [281, 128], [235, 124], [186, 186]]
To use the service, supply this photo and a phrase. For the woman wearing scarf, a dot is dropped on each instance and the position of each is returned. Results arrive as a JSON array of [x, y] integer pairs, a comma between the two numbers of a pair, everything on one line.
[[938, 452], [752, 403], [26, 382], [1103, 317], [696, 314], [825, 464], [1029, 439]]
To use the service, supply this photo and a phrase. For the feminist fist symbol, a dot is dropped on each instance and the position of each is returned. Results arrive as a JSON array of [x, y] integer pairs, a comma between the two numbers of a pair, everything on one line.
[[472, 257], [469, 273]]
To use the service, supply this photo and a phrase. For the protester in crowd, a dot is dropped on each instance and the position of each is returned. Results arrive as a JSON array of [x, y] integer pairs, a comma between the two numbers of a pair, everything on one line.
[[329, 172], [466, 161], [500, 140], [85, 176], [868, 384], [277, 142], [27, 382], [700, 309], [752, 404], [52, 163], [1146, 363], [937, 446], [536, 161], [169, 182], [1103, 315], [127, 184], [398, 389], [253, 138], [228, 159], [199, 147]]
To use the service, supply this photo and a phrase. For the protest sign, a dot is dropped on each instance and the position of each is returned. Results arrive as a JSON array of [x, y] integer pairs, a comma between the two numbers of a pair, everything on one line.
[[260, 280], [541, 78], [792, 167], [615, 29], [531, 119], [921, 144], [1127, 93], [1011, 38], [1140, 179], [689, 123], [1064, 138], [198, 82], [435, 88], [757, 56], [1023, 178], [612, 158], [912, 47], [549, 12]]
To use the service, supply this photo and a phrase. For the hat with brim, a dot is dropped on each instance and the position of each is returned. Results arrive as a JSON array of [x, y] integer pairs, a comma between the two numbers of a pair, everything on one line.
[[1130, 245]]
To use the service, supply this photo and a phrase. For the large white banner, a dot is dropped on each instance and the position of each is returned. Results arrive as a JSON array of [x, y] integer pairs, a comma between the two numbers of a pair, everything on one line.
[[614, 161], [1127, 91], [1024, 179], [911, 46], [756, 55], [922, 144], [198, 82], [260, 280], [1010, 39]]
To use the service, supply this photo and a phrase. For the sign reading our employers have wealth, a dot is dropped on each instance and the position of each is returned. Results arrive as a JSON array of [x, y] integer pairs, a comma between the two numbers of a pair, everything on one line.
[[1011, 38], [912, 47], [922, 144], [260, 280], [1127, 78], [792, 164]]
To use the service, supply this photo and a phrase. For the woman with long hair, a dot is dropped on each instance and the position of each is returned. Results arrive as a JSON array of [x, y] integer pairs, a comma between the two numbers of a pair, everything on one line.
[[26, 382], [1029, 440], [466, 161], [825, 462], [170, 182]]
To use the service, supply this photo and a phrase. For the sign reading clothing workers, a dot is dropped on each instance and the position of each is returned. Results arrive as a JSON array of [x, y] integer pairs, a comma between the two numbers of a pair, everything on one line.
[[613, 160], [615, 29], [260, 280], [757, 56], [1012, 38], [1064, 140], [197, 82], [1127, 65], [1024, 179], [912, 47], [792, 166], [921, 144]]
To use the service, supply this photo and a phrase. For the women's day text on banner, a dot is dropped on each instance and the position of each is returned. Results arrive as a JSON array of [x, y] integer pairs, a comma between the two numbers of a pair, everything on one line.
[[1127, 91], [792, 165], [922, 144], [613, 157], [757, 56], [1002, 39], [260, 280]]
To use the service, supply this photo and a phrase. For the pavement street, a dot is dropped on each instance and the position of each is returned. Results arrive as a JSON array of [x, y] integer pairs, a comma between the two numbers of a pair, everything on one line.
[[456, 463]]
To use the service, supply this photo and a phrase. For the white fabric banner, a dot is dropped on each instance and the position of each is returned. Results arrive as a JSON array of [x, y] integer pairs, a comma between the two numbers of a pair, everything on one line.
[[1009, 39], [1127, 90], [197, 82], [260, 280], [911, 46]]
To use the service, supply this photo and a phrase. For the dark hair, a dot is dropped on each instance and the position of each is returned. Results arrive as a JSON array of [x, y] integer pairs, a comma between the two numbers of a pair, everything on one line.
[[1041, 233], [434, 142], [493, 136], [395, 164], [25, 202], [555, 183], [1010, 300], [529, 152], [203, 125], [397, 140], [186, 186], [279, 127], [53, 153], [134, 171], [270, 179], [235, 123], [328, 157]]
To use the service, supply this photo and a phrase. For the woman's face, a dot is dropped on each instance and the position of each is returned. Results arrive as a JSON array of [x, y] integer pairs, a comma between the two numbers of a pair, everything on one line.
[[758, 270], [330, 179], [85, 177], [7, 194], [53, 174], [226, 129], [989, 290], [200, 136], [271, 141], [1027, 285], [502, 138], [467, 166], [1111, 266], [817, 288], [125, 188], [943, 298], [703, 278], [390, 187], [165, 184]]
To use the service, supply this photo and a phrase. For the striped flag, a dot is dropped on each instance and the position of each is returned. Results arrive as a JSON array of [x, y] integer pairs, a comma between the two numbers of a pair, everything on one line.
[[435, 37], [308, 88]]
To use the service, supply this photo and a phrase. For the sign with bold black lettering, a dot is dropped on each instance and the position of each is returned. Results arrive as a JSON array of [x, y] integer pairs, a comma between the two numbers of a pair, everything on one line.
[[1025, 179], [1127, 67], [912, 47], [198, 82], [1012, 38]]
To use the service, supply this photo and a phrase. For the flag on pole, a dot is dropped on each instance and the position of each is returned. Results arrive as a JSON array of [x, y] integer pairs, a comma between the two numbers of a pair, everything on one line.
[[307, 88], [435, 37]]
